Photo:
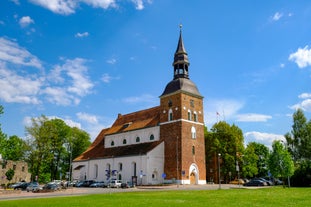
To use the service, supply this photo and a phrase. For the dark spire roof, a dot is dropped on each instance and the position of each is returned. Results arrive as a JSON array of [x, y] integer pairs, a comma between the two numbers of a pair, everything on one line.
[[181, 62], [181, 81]]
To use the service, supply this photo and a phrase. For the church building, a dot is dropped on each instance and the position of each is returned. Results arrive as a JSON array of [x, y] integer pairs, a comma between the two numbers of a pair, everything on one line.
[[162, 144]]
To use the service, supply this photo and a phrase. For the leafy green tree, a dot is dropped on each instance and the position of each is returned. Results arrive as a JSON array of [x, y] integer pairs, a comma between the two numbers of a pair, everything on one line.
[[9, 174], [229, 142], [14, 148], [250, 159], [2, 135], [280, 161], [53, 145], [297, 136], [262, 152]]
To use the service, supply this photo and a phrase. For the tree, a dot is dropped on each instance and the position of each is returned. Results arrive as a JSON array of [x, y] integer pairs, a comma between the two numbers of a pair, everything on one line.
[[297, 136], [262, 152], [280, 161], [9, 174], [250, 159], [14, 148], [2, 135], [229, 142], [53, 145]]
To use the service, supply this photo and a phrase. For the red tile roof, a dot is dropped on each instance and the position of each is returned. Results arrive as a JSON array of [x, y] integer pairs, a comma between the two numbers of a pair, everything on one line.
[[128, 122]]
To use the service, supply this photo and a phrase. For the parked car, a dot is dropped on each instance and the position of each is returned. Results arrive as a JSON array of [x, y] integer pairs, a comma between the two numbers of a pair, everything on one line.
[[237, 182], [99, 184], [51, 187], [33, 186], [85, 183], [115, 184], [255, 182], [19, 186]]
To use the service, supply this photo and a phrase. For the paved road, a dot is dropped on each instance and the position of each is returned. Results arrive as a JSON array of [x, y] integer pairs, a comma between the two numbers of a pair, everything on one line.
[[13, 195]]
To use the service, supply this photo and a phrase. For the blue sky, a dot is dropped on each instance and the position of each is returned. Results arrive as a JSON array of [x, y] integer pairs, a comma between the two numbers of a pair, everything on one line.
[[85, 61]]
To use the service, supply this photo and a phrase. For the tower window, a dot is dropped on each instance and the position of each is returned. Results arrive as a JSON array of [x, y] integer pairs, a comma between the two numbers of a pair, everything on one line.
[[112, 143], [170, 103], [137, 139], [124, 141], [189, 115], [151, 137], [195, 116], [193, 133], [193, 150], [170, 115]]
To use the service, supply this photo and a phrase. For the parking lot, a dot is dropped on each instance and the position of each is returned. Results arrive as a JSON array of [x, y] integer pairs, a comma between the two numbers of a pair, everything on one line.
[[12, 195]]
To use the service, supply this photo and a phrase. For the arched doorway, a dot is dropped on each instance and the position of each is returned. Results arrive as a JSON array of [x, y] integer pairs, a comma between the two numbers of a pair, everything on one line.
[[193, 174], [192, 178]]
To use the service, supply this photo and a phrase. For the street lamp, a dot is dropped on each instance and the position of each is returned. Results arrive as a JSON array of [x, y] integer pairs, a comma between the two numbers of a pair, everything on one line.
[[219, 170]]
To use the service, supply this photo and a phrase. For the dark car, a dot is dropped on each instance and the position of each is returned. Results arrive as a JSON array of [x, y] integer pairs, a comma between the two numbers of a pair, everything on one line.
[[255, 182], [51, 187], [99, 184], [85, 183], [20, 186], [33, 186]]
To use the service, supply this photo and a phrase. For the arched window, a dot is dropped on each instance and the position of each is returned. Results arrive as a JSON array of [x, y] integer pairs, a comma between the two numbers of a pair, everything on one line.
[[119, 176], [195, 116], [151, 137], [124, 141], [137, 139], [112, 143], [193, 133], [120, 166], [189, 115], [170, 115]]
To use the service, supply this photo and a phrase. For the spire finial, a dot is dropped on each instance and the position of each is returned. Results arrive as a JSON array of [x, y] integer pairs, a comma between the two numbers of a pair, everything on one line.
[[180, 26]]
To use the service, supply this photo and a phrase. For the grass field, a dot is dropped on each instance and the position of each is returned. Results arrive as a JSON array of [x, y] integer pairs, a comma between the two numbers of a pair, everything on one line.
[[183, 198]]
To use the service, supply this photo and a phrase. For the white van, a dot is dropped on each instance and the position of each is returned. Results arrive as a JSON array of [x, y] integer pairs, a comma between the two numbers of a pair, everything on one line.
[[115, 184]]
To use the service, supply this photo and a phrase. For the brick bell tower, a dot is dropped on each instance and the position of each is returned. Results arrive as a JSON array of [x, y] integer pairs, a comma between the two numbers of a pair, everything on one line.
[[182, 124]]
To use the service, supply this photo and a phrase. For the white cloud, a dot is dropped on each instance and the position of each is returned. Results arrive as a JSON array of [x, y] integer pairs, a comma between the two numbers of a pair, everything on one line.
[[64, 7], [112, 61], [77, 82], [106, 78], [302, 57], [67, 7], [263, 138], [252, 117], [277, 16], [304, 104], [18, 89], [59, 96], [81, 35], [305, 95], [11, 52], [26, 21], [139, 5], [92, 119], [2, 22]]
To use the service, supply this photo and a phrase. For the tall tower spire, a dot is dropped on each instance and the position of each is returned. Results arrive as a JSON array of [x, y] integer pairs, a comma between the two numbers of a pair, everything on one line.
[[181, 62]]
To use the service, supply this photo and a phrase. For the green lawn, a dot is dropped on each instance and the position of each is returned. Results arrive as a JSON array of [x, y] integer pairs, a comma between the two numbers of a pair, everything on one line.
[[233, 197]]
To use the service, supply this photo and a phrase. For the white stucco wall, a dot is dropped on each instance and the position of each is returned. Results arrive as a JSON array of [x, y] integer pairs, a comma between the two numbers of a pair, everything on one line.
[[143, 134], [149, 167]]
